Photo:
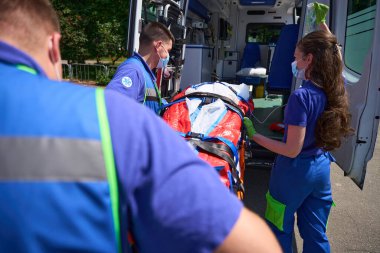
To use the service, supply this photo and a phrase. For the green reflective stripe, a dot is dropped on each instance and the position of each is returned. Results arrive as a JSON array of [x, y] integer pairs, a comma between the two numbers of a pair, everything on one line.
[[109, 161], [275, 212], [158, 92], [145, 91], [150, 92], [27, 69], [48, 158]]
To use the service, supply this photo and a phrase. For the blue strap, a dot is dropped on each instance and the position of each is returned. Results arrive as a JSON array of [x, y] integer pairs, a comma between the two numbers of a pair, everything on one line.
[[212, 127], [218, 168], [232, 108], [171, 103], [210, 138], [194, 115], [231, 180]]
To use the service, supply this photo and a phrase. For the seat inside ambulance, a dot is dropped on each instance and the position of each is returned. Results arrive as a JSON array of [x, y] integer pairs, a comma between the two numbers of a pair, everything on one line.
[[250, 65], [280, 75]]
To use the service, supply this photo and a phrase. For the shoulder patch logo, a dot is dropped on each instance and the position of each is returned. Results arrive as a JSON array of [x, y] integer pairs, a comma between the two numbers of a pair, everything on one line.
[[126, 82]]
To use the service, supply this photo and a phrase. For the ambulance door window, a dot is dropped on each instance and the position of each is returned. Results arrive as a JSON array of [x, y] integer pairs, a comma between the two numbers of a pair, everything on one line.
[[359, 33]]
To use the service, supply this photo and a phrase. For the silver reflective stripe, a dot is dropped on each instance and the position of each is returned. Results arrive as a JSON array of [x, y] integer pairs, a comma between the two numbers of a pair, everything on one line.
[[150, 92], [29, 158]]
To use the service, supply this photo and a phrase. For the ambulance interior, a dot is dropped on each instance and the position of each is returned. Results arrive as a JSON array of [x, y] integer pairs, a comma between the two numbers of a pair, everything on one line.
[[236, 42], [253, 42]]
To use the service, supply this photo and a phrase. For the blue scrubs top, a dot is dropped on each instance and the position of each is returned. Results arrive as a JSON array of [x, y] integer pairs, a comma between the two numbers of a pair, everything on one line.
[[304, 107], [176, 202]]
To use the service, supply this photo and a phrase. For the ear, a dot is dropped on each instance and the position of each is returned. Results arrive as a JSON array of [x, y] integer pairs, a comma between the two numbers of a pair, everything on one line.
[[157, 44], [54, 51], [309, 58]]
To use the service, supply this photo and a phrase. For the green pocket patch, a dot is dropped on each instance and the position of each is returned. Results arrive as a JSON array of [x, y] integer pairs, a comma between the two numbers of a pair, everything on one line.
[[275, 212]]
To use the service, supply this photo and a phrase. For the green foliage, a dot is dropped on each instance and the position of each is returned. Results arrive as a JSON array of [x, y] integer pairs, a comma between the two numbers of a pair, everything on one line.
[[93, 29], [108, 43], [102, 78]]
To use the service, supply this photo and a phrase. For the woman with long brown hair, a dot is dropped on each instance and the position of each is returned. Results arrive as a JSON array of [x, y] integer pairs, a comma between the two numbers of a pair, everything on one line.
[[316, 120]]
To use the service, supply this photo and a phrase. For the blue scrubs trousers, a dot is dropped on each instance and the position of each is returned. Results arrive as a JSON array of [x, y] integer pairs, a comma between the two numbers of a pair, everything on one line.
[[301, 185]]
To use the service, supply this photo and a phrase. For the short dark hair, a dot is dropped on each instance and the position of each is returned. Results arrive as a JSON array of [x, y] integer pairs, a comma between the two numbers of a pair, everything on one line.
[[27, 19], [155, 31]]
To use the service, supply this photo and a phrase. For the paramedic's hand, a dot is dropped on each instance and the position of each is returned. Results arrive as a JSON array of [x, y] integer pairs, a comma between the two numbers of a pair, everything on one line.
[[251, 131]]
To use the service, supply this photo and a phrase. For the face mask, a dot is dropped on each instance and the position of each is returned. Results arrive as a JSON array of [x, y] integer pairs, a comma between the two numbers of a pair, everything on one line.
[[298, 73], [162, 63]]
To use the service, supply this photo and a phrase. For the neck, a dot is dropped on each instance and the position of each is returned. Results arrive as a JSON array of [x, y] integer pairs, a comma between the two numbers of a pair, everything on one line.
[[150, 58]]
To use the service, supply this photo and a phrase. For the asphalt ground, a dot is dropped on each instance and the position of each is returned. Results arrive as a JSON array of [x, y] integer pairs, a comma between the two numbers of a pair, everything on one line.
[[354, 223]]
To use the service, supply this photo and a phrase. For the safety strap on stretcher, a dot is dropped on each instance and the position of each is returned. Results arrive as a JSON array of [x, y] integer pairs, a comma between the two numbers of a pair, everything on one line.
[[226, 151]]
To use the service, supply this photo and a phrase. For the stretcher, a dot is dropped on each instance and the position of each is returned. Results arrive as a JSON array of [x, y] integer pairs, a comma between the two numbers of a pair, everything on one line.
[[210, 117]]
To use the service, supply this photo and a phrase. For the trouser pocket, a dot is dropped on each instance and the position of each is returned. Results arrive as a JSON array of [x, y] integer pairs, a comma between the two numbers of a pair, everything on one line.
[[275, 212]]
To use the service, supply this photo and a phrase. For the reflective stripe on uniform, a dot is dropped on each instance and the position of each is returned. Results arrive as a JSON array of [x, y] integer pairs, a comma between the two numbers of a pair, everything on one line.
[[151, 92], [58, 158], [109, 162]]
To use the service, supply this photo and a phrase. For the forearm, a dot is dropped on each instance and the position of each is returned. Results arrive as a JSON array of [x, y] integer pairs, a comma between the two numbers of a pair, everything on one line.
[[276, 146], [250, 234], [294, 140]]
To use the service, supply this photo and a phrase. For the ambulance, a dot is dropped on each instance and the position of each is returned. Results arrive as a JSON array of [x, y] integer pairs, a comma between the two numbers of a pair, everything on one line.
[[253, 41]]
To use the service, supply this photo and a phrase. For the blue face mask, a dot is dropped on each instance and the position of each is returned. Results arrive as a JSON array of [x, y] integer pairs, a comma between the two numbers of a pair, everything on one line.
[[163, 62], [298, 73]]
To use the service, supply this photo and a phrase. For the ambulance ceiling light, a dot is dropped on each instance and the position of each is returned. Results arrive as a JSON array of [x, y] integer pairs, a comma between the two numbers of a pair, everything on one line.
[[257, 2]]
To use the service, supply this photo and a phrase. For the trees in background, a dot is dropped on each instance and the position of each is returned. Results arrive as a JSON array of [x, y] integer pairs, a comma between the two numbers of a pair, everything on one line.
[[93, 29]]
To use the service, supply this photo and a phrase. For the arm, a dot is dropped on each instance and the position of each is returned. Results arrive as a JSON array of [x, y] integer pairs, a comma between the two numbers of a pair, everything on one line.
[[250, 234], [323, 26], [291, 148], [296, 118], [129, 81]]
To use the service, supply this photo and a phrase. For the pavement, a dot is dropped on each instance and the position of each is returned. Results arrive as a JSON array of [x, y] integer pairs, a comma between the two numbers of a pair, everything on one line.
[[354, 223]]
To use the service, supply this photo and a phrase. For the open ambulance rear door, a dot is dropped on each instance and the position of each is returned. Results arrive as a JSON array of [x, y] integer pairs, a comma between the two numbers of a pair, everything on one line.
[[172, 13], [357, 27]]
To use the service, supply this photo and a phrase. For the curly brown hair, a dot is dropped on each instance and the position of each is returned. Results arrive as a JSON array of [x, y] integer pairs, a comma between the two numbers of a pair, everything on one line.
[[325, 70]]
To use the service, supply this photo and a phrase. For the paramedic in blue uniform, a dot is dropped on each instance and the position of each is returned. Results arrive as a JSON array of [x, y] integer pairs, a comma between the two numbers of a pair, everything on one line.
[[316, 120], [134, 77], [77, 170]]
